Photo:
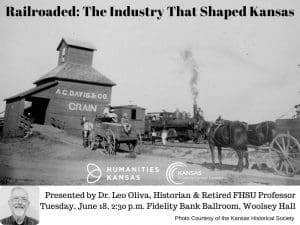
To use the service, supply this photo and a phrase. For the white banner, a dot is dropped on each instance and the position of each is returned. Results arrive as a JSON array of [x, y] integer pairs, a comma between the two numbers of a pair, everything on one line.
[[169, 205]]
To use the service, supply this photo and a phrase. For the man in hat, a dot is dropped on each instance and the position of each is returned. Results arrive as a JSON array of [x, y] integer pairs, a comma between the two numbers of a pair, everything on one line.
[[108, 112], [88, 128], [153, 136], [18, 203]]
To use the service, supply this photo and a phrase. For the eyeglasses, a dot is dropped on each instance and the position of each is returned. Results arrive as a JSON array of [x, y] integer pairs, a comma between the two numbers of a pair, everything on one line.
[[18, 199]]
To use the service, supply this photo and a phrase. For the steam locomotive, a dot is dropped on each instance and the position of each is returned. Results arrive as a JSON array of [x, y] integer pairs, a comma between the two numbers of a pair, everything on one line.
[[179, 125]]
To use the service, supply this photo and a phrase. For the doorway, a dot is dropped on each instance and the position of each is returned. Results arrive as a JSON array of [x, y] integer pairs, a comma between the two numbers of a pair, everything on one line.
[[38, 110]]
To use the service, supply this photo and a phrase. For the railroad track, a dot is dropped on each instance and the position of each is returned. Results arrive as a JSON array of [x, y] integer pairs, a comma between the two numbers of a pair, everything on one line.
[[178, 145], [201, 146]]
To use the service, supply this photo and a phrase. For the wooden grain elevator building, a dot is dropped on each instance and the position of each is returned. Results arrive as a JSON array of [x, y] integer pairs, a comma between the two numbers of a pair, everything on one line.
[[71, 90]]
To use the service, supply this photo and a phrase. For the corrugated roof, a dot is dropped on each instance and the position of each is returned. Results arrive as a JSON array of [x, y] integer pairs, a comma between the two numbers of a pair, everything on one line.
[[32, 90], [76, 43], [77, 72]]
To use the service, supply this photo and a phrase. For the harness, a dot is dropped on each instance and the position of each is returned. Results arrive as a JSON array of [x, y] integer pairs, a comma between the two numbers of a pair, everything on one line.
[[259, 129], [214, 134], [267, 129]]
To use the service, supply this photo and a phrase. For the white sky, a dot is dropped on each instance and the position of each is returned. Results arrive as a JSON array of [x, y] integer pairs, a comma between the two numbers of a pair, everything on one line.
[[248, 66]]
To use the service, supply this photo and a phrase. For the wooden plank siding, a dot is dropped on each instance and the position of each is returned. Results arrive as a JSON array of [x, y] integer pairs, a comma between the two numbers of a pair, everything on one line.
[[80, 56], [12, 118], [68, 90], [77, 54], [66, 93], [71, 100]]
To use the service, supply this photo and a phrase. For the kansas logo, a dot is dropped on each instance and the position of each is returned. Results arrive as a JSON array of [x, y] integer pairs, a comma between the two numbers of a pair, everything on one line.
[[178, 172]]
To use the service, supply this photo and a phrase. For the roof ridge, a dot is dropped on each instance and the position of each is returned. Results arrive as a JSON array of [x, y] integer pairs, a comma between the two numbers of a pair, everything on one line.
[[33, 90], [77, 72], [76, 43]]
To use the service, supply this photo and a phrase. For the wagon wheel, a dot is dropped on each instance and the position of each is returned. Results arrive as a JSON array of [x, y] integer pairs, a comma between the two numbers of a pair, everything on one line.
[[117, 146], [96, 142], [284, 154], [110, 145], [171, 135]]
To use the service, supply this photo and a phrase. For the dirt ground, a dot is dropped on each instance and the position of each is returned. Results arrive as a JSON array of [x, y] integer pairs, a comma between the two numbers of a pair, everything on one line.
[[51, 157]]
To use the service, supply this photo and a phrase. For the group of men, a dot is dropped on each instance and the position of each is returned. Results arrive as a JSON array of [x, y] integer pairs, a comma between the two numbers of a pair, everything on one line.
[[164, 136]]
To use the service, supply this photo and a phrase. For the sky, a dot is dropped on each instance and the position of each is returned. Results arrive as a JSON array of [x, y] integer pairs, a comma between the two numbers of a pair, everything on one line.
[[247, 68]]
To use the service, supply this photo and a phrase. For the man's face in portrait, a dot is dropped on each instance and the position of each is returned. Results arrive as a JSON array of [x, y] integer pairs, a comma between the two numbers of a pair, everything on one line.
[[18, 202]]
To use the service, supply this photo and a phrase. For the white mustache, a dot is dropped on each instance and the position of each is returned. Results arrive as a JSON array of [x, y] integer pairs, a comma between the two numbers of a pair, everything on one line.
[[19, 206]]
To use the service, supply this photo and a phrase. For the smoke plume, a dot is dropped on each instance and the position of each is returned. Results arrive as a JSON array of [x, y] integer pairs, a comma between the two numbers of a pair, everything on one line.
[[192, 68]]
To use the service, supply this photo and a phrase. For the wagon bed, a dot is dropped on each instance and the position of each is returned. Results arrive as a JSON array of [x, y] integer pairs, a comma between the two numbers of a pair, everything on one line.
[[289, 125], [110, 135], [118, 131]]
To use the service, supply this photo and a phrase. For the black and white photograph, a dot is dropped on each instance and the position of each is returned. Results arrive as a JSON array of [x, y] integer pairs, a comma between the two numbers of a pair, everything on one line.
[[19, 205], [149, 93]]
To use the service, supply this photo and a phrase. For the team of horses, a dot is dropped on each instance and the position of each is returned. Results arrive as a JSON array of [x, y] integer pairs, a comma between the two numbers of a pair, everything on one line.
[[237, 135]]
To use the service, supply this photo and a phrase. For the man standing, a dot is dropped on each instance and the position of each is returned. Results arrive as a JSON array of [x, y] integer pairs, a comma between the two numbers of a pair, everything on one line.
[[88, 128], [18, 203], [164, 136], [153, 136]]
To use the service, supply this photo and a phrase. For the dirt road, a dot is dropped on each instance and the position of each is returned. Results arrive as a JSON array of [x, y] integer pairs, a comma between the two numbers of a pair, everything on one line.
[[51, 157]]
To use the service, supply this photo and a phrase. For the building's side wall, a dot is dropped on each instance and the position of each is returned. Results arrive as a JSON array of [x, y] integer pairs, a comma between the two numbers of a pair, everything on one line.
[[69, 101], [140, 120], [13, 112], [80, 56], [75, 55]]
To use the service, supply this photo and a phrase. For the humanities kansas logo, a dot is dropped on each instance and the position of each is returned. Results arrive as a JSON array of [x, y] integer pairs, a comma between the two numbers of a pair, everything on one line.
[[117, 174], [178, 171], [94, 173]]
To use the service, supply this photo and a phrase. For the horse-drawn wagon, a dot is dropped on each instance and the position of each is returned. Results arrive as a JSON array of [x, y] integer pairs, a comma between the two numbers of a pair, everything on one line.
[[109, 136], [284, 150], [279, 139]]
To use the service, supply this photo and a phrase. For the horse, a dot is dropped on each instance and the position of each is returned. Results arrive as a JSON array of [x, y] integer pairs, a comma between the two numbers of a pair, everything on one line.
[[261, 133], [231, 134]]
